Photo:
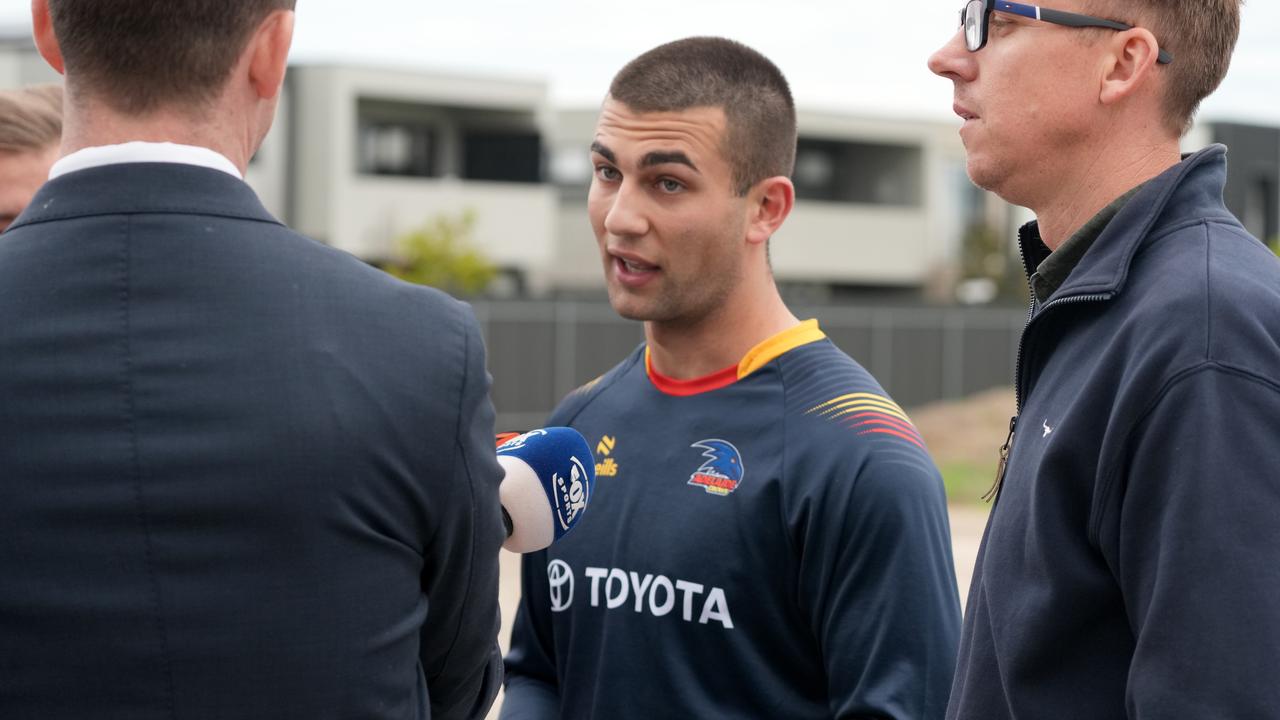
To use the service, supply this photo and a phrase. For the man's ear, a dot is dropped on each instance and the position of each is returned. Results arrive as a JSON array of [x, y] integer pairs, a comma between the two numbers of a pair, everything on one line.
[[771, 201], [42, 33], [268, 52], [1129, 64]]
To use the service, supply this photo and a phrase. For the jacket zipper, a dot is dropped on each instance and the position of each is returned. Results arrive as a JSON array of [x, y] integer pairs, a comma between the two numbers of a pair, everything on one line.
[[994, 491], [993, 494]]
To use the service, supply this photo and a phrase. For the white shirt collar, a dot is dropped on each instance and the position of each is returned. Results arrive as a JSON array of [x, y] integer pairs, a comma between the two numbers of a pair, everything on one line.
[[143, 152]]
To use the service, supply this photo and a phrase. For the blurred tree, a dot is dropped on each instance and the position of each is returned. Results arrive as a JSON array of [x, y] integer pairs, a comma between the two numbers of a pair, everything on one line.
[[440, 254], [986, 256]]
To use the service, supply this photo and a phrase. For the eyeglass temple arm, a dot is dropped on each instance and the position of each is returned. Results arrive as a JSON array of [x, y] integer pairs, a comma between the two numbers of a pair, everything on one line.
[[1060, 17]]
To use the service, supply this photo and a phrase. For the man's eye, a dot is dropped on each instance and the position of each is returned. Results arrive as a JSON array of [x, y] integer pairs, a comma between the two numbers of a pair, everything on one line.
[[670, 186], [605, 172]]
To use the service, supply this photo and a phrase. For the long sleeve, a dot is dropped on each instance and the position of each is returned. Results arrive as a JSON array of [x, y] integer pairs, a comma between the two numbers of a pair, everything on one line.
[[459, 649], [531, 690], [1191, 533], [878, 585]]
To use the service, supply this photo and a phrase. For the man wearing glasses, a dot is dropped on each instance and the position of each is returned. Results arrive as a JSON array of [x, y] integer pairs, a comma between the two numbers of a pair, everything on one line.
[[1132, 558]]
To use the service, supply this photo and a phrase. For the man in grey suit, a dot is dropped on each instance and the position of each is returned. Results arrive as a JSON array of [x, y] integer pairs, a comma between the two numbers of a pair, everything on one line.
[[242, 475]]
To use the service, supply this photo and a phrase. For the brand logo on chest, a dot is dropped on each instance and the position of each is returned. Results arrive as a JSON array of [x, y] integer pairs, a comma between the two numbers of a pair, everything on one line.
[[606, 466], [655, 595], [560, 581]]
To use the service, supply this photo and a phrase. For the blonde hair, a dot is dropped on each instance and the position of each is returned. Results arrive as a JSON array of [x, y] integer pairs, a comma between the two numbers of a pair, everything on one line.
[[30, 118]]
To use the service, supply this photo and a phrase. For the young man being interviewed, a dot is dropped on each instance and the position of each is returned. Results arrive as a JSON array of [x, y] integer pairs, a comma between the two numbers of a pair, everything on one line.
[[768, 536]]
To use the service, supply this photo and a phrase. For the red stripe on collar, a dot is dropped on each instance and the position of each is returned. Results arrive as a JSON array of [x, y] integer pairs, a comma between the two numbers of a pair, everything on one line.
[[685, 388]]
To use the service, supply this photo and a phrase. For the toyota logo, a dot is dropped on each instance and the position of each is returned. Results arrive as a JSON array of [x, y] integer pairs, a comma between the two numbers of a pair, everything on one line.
[[560, 576]]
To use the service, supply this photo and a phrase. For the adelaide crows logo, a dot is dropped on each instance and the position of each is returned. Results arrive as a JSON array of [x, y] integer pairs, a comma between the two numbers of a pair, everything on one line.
[[722, 472]]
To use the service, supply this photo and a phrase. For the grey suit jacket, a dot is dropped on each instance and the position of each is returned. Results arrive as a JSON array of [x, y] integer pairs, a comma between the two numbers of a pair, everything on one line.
[[242, 474]]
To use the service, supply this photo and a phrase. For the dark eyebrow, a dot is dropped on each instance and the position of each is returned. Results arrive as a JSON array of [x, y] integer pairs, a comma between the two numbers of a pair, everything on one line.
[[604, 151], [657, 157], [666, 158]]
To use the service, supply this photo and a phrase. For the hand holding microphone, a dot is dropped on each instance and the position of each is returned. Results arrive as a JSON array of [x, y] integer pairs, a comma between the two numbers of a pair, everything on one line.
[[550, 474]]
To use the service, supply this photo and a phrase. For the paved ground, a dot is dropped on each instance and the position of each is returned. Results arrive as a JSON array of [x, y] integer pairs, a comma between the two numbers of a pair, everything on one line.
[[967, 523]]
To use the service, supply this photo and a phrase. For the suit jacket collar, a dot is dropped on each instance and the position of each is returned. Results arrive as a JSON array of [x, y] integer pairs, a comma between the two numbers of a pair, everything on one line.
[[143, 188]]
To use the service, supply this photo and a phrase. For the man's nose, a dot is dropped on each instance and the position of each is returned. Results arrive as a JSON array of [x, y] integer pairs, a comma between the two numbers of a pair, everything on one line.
[[626, 216], [953, 60]]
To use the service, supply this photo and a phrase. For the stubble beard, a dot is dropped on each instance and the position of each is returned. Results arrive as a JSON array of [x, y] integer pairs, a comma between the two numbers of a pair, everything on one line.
[[676, 305]]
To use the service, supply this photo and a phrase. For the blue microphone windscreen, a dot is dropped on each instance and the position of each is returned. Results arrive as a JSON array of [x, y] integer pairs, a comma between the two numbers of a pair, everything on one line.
[[565, 467]]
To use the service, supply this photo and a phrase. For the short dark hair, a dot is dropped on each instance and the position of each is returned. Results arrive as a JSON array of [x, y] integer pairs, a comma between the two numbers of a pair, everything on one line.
[[30, 118], [137, 55], [760, 140], [1200, 34]]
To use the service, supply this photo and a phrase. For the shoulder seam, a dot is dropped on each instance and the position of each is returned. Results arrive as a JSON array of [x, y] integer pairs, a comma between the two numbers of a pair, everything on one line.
[[458, 419], [1102, 500], [606, 381]]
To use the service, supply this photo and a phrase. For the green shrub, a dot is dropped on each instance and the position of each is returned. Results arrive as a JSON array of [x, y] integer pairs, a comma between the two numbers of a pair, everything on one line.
[[440, 254], [966, 482]]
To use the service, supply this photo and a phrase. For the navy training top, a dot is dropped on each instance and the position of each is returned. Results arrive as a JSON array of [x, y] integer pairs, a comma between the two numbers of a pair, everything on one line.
[[769, 541]]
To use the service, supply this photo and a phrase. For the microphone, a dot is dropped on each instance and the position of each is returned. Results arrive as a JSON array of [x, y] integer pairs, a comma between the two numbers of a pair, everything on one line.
[[550, 474]]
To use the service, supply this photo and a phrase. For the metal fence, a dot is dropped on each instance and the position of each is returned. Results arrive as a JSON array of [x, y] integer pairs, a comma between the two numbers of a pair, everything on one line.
[[539, 351]]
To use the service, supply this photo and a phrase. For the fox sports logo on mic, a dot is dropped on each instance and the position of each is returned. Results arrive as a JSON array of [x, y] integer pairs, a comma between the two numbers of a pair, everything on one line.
[[572, 492]]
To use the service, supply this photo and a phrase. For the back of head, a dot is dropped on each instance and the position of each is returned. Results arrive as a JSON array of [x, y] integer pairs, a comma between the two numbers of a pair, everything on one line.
[[714, 72], [30, 118], [1200, 34], [138, 55]]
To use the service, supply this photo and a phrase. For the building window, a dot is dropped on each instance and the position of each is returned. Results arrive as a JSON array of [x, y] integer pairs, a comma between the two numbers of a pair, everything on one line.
[[397, 138], [423, 140], [502, 156], [570, 169], [858, 172], [815, 172], [397, 149]]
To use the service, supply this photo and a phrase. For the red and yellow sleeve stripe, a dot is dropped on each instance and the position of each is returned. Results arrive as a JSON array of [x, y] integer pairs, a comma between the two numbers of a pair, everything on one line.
[[868, 413]]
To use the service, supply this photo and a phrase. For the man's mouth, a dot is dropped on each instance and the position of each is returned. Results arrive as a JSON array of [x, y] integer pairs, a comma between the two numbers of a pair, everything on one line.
[[632, 271], [636, 266]]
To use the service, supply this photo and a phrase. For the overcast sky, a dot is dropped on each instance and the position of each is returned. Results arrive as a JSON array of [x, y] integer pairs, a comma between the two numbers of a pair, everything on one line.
[[851, 55]]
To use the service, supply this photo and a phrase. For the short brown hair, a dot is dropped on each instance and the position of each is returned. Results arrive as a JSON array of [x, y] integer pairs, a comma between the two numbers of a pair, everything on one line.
[[137, 55], [30, 118], [1200, 34], [760, 140]]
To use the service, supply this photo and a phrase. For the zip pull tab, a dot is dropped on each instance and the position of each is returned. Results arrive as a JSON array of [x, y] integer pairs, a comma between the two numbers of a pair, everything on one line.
[[1004, 462]]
